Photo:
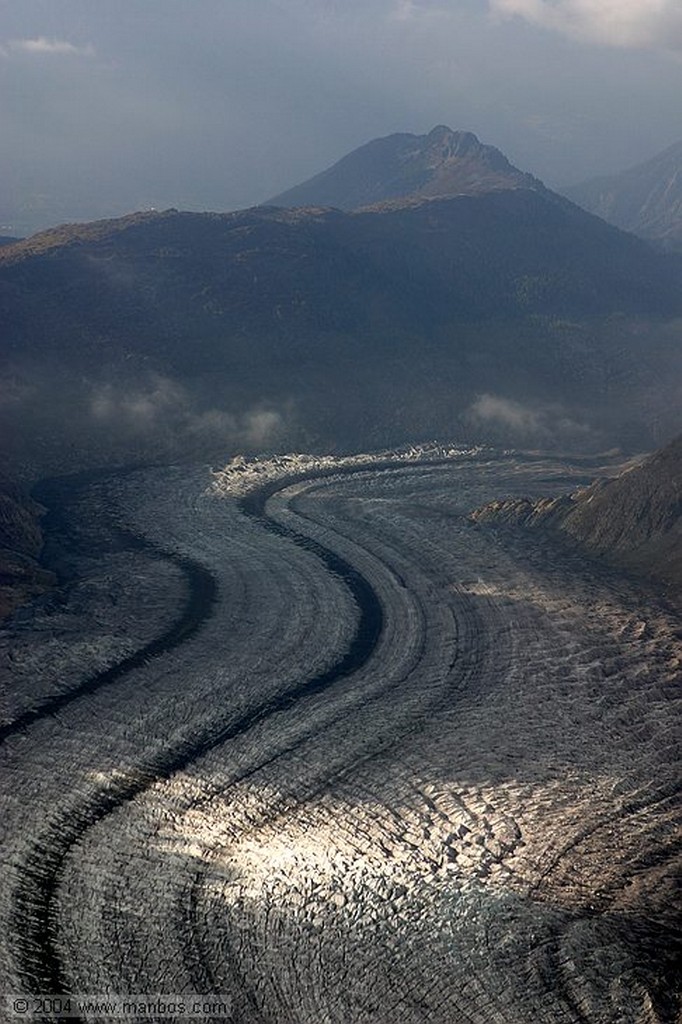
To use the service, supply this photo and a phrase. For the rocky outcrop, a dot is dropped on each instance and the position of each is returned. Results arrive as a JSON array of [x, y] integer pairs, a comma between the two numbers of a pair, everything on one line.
[[634, 520]]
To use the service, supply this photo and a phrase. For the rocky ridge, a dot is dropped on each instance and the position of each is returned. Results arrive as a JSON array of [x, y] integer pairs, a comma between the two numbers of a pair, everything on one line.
[[442, 163], [633, 520]]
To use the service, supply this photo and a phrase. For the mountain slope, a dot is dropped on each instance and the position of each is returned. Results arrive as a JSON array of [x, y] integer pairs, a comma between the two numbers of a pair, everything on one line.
[[329, 329], [473, 257], [634, 520], [442, 163], [21, 576], [646, 199]]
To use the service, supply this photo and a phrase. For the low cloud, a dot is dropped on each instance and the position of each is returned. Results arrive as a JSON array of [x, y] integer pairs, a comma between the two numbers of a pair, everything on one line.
[[140, 409], [504, 412], [51, 422], [507, 420], [262, 425], [15, 391], [637, 24], [43, 45], [162, 407]]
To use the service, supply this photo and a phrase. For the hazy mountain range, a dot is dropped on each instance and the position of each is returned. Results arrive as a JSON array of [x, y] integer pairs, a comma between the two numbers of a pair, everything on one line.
[[503, 312], [646, 199], [461, 298], [339, 329]]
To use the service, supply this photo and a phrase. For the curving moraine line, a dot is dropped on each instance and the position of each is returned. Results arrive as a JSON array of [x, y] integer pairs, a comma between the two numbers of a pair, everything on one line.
[[36, 898], [202, 595]]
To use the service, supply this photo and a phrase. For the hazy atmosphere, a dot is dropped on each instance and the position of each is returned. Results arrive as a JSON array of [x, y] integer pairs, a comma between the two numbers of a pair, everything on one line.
[[223, 103], [340, 511]]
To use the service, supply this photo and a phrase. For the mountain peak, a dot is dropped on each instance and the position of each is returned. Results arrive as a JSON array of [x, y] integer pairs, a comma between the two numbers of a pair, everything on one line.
[[460, 140], [439, 164], [445, 134]]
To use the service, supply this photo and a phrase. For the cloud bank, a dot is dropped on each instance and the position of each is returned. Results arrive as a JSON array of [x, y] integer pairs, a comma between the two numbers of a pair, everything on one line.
[[644, 24]]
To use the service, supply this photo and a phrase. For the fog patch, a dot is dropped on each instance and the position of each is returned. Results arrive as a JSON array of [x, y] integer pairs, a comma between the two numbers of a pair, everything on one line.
[[261, 425], [506, 419], [505, 412], [53, 423], [15, 392], [162, 406], [141, 409]]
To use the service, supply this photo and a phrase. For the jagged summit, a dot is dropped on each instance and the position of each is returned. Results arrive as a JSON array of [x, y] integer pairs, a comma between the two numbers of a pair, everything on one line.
[[460, 141], [442, 163]]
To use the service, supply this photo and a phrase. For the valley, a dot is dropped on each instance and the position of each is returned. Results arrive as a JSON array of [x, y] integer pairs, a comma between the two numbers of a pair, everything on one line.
[[302, 732], [340, 512]]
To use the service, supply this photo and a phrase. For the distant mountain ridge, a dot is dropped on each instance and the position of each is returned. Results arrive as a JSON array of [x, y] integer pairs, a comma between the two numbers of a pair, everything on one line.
[[325, 328], [646, 199], [507, 253], [439, 164]]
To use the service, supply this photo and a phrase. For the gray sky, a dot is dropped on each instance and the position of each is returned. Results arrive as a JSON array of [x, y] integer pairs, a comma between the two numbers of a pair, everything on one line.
[[111, 105]]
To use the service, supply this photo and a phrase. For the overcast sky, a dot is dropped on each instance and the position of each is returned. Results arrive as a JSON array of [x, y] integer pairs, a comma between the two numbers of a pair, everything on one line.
[[109, 105]]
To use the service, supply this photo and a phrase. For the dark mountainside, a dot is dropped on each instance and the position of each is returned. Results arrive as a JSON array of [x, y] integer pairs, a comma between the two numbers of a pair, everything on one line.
[[506, 315], [646, 199], [442, 163], [21, 577], [633, 521], [8, 239]]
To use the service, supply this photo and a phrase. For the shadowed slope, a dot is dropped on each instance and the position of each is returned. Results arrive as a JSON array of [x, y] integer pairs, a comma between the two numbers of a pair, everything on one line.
[[21, 577], [160, 333], [634, 520]]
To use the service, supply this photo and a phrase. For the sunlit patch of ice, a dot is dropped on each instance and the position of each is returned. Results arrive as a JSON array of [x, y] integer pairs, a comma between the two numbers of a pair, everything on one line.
[[243, 474]]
